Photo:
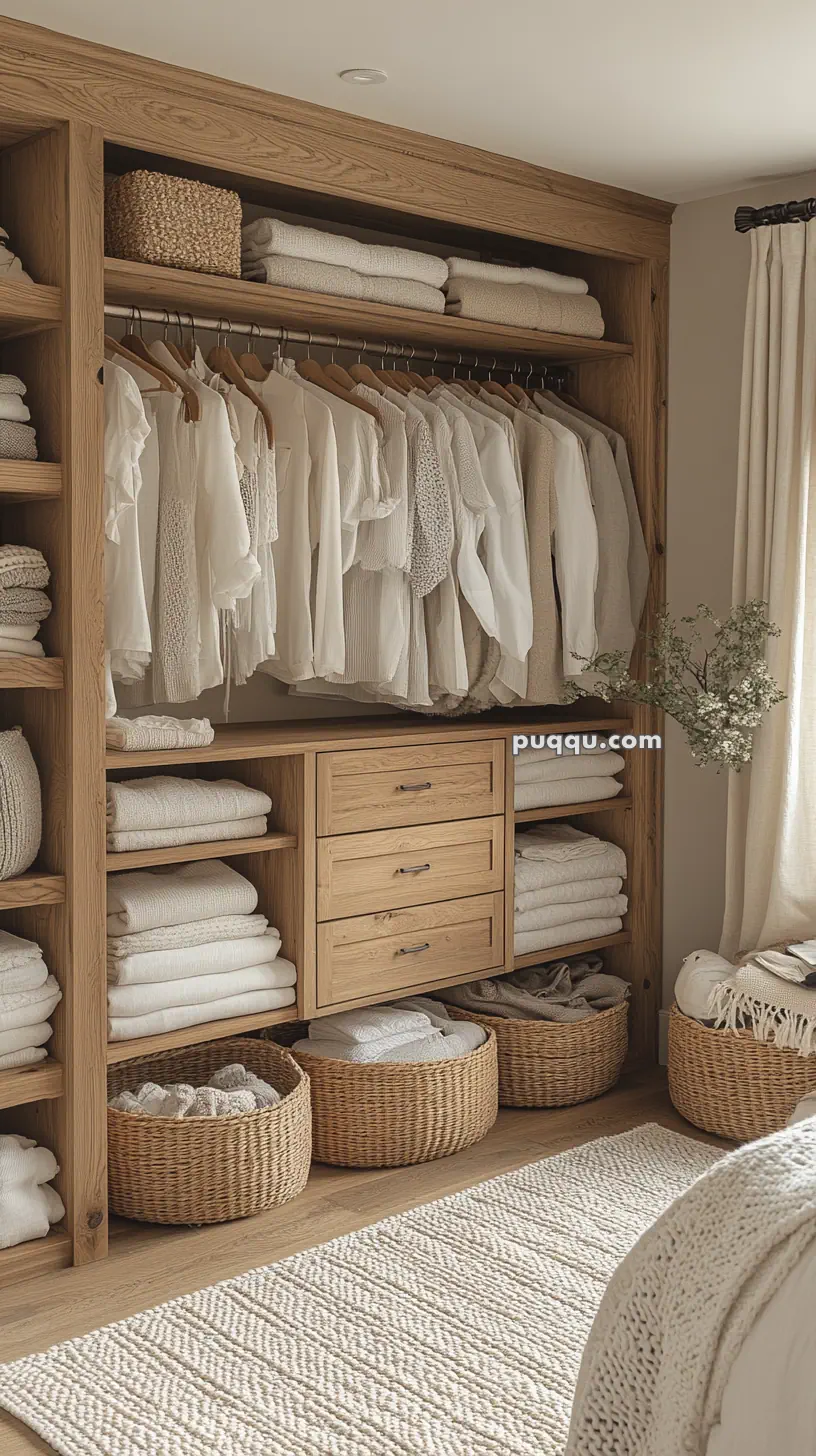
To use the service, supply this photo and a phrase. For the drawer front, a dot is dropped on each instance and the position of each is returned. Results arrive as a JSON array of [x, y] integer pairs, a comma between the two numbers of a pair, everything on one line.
[[360, 873], [372, 956], [385, 788]]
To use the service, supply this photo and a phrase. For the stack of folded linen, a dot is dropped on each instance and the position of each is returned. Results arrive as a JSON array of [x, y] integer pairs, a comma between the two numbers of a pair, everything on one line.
[[567, 990], [415, 1030], [185, 947], [154, 813], [157, 731], [567, 888], [544, 777], [773, 992], [291, 256], [28, 996], [18, 439], [28, 1203], [23, 602], [525, 298], [230, 1092]]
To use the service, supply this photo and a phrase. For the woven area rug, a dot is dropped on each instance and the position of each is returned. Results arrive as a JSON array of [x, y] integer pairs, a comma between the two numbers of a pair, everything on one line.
[[453, 1330]]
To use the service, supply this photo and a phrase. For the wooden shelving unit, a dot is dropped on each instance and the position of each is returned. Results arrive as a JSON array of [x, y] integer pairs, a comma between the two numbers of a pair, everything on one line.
[[569, 811], [29, 480], [43, 1081], [579, 947], [185, 853], [144, 1046], [28, 308], [32, 888], [32, 672], [38, 1256]]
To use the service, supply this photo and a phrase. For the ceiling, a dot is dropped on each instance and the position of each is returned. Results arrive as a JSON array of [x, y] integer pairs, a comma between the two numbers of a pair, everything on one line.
[[675, 98]]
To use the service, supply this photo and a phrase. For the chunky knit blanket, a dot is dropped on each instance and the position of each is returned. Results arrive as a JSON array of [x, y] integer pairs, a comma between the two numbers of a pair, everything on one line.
[[23, 566], [680, 1306], [155, 730], [17, 442], [21, 604], [20, 805]]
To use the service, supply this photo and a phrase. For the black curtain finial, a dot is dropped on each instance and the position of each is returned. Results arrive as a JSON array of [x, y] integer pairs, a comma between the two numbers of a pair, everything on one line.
[[746, 218]]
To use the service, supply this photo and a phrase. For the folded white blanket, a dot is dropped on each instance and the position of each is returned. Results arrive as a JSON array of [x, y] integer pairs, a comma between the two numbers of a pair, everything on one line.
[[574, 892], [29, 977], [146, 899], [140, 1000], [521, 306], [545, 874], [16, 951], [213, 958], [156, 731], [345, 283], [13, 408], [122, 840], [271, 235], [13, 647], [28, 1206], [501, 273], [573, 766], [543, 755], [188, 933], [24, 1008], [370, 1023], [384, 1049], [167, 802], [26, 1057], [558, 843], [180, 1100], [125, 1028], [565, 791], [24, 1036], [529, 941], [544, 917], [435, 1048], [441, 1019]]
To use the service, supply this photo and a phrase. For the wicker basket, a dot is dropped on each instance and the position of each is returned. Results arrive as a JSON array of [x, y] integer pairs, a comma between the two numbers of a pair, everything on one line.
[[198, 1170], [151, 218], [390, 1114], [729, 1084], [556, 1064]]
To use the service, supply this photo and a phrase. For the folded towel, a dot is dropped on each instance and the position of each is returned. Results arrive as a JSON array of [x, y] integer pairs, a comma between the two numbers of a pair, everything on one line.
[[269, 236], [699, 974], [565, 791], [531, 940], [187, 933], [21, 605], [176, 964], [15, 951], [13, 408], [146, 899], [141, 1000], [28, 1208], [20, 631], [126, 1028], [544, 755], [123, 840], [777, 1011], [236, 1077], [565, 990], [24, 1036], [574, 892], [574, 766], [26, 1057], [11, 383], [370, 1023], [155, 731], [383, 1049], [501, 273], [440, 1018], [166, 802], [345, 283], [29, 977], [558, 843], [523, 307], [13, 647], [24, 1008], [22, 565], [546, 874], [17, 442], [545, 916], [433, 1047]]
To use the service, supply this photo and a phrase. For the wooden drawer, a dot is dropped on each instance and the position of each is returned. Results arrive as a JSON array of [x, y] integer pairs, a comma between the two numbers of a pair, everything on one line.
[[372, 956], [386, 788], [361, 873]]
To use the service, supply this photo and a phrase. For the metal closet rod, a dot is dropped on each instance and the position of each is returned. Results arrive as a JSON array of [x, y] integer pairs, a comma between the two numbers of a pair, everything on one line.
[[172, 318]]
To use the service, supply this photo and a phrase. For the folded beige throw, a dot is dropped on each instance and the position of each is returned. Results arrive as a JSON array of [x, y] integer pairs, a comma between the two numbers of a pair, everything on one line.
[[146, 899], [23, 566], [502, 273], [186, 933], [575, 892], [542, 795], [567, 990], [271, 235], [130, 839], [572, 766], [144, 967], [544, 917], [156, 731], [165, 802], [345, 283], [528, 941], [523, 307], [776, 1010]]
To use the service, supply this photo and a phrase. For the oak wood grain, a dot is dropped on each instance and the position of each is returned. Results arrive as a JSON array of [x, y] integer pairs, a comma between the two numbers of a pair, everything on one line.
[[133, 859], [143, 1046], [28, 308], [32, 888], [29, 480], [570, 811], [391, 787], [32, 672], [578, 947], [35, 1258], [19, 1085]]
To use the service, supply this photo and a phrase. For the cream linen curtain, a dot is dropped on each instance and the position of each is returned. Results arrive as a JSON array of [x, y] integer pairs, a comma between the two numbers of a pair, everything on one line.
[[771, 839]]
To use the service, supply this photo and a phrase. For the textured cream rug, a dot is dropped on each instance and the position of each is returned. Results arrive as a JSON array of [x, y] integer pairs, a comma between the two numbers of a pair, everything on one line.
[[453, 1330]]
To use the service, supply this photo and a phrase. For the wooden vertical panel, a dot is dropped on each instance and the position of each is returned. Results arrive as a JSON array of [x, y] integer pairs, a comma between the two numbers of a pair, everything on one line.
[[307, 851], [509, 852]]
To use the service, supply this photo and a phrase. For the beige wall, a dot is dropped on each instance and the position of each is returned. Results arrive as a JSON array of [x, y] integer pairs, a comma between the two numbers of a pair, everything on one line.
[[709, 275]]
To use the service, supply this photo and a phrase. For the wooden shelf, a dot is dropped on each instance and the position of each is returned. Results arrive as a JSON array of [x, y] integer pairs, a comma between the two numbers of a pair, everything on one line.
[[186, 853], [568, 811], [263, 303], [580, 947], [31, 672], [36, 1256], [28, 308], [28, 480], [32, 888], [39, 1083], [144, 1046]]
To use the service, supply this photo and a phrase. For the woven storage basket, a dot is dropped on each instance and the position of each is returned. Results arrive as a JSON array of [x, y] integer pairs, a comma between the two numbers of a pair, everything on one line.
[[556, 1064], [390, 1114], [727, 1083], [151, 218], [209, 1169]]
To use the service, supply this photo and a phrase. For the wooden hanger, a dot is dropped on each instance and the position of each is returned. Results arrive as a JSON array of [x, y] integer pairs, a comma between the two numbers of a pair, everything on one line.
[[362, 374], [251, 364], [222, 361], [316, 374], [491, 387], [192, 403], [112, 346], [516, 392]]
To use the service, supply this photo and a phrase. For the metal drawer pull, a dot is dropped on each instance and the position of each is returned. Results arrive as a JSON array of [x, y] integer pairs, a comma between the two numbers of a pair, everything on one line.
[[414, 869], [414, 949], [412, 788]]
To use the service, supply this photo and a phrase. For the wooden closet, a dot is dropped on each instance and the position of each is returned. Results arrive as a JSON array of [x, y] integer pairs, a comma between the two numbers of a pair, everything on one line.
[[69, 112]]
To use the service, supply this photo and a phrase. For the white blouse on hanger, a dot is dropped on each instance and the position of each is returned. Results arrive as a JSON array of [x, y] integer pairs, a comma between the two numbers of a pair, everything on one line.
[[127, 627]]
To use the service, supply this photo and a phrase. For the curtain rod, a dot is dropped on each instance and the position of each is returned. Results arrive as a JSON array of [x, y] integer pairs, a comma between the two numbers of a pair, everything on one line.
[[172, 318], [746, 218]]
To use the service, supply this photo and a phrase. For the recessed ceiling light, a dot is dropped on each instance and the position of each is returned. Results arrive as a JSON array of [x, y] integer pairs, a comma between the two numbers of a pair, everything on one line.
[[363, 76]]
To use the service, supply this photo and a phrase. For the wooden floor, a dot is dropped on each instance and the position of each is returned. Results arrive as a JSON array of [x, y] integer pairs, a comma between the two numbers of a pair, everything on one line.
[[147, 1267]]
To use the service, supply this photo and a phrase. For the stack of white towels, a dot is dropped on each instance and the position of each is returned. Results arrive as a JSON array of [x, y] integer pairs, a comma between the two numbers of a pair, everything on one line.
[[524, 298], [28, 1204], [230, 1092], [28, 995], [414, 1030], [292, 256], [24, 574], [155, 813], [157, 731], [546, 777], [186, 946], [567, 888], [18, 439]]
